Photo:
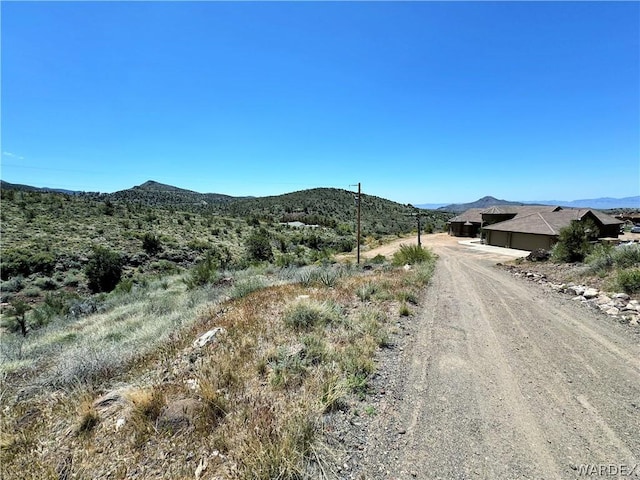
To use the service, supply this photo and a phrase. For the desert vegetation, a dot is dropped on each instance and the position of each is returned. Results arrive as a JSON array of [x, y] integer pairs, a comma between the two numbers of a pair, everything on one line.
[[617, 268], [144, 340]]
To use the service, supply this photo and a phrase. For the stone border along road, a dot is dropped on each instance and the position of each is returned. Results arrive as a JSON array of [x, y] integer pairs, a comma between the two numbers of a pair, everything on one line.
[[504, 379]]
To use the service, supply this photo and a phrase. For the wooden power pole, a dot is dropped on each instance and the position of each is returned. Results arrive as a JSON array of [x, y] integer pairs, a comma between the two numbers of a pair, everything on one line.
[[417, 215], [358, 239]]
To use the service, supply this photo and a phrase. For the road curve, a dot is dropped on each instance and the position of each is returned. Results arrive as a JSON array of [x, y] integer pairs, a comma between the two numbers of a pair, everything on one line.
[[505, 379]]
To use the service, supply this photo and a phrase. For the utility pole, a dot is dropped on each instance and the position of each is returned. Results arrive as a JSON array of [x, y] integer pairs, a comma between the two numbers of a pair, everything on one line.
[[417, 215], [358, 239]]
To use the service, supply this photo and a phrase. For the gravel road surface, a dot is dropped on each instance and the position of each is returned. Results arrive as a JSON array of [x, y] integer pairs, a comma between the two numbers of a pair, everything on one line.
[[504, 379]]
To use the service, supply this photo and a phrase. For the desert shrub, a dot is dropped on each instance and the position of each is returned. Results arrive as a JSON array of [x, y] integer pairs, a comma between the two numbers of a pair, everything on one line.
[[124, 286], [297, 259], [626, 256], [574, 242], [56, 304], [222, 255], [13, 285], [46, 283], [408, 297], [31, 291], [164, 266], [198, 245], [205, 272], [245, 287], [258, 246], [104, 269], [628, 280], [17, 317], [25, 262], [412, 254], [365, 291], [604, 257], [421, 273], [305, 315], [151, 243], [378, 259], [599, 259], [71, 280], [327, 276]]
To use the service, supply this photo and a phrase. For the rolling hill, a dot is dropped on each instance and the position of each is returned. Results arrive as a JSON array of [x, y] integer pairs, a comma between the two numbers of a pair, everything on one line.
[[153, 193]]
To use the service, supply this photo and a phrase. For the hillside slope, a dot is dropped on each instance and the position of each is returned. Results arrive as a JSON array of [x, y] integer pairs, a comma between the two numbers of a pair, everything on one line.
[[152, 193]]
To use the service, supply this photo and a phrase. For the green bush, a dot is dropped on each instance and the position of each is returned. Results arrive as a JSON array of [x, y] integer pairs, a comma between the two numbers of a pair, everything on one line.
[[247, 286], [25, 262], [17, 317], [412, 254], [258, 246], [599, 259], [305, 315], [14, 285], [628, 280], [104, 269], [205, 272], [31, 291], [56, 304], [46, 283], [151, 243], [574, 242], [626, 256]]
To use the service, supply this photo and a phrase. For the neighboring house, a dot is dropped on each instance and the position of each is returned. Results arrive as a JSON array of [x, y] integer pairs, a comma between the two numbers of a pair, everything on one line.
[[541, 229], [466, 224], [631, 217], [502, 213]]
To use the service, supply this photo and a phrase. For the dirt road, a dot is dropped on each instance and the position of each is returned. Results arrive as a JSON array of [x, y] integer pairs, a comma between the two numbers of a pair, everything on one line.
[[503, 379]]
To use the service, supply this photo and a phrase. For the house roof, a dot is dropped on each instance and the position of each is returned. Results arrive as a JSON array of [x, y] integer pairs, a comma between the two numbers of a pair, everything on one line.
[[473, 215], [549, 223], [606, 219], [519, 210]]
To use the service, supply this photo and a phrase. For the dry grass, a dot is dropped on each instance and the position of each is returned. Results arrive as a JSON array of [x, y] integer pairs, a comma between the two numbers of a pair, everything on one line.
[[288, 355]]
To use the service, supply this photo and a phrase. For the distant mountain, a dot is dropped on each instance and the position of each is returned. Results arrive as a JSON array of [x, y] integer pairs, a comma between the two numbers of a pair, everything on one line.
[[605, 203], [484, 202], [595, 203], [430, 206], [28, 188]]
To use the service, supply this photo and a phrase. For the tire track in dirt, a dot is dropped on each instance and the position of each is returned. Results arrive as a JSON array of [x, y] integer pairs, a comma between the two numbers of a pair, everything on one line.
[[505, 379]]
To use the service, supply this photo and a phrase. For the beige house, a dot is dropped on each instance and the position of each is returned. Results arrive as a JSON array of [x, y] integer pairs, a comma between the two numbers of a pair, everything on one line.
[[541, 229], [466, 224]]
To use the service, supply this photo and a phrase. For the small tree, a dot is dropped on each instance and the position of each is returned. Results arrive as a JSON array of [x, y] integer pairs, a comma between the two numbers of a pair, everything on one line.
[[205, 272], [259, 246], [104, 270], [573, 242], [151, 243], [18, 312]]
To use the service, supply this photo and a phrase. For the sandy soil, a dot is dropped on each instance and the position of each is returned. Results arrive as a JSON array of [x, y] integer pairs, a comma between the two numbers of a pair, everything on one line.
[[503, 379]]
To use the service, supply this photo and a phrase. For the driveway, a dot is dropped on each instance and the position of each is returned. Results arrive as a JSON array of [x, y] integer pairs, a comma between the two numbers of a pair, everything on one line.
[[504, 379]]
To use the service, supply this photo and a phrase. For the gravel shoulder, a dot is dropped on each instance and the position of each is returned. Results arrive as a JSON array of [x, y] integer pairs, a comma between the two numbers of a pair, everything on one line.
[[502, 378]]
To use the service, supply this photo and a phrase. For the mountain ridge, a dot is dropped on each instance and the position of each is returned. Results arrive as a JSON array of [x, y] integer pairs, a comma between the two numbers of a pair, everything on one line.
[[146, 191], [603, 203]]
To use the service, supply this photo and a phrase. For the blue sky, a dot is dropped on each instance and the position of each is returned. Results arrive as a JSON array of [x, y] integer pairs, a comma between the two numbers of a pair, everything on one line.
[[421, 102]]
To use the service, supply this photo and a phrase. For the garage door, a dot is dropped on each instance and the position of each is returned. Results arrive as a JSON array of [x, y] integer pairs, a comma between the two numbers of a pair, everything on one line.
[[497, 238], [525, 241]]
